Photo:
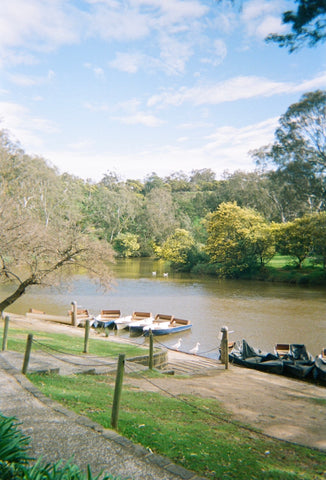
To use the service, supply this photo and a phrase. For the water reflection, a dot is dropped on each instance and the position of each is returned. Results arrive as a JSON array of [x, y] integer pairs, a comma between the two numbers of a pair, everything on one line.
[[262, 313]]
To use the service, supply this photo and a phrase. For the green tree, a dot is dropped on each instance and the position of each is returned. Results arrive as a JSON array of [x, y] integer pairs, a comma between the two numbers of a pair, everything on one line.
[[299, 153], [295, 239], [308, 25], [238, 239], [42, 240], [180, 250], [126, 244], [318, 232], [161, 216]]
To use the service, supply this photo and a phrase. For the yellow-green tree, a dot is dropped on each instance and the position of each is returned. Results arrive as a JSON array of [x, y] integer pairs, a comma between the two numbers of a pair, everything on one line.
[[126, 244], [239, 239], [296, 239], [179, 249]]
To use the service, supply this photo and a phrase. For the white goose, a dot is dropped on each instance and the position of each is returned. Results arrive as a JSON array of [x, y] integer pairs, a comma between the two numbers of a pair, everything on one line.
[[194, 350], [177, 345]]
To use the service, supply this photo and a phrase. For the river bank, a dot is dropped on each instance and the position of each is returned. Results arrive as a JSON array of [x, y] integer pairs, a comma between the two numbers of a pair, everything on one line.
[[284, 408]]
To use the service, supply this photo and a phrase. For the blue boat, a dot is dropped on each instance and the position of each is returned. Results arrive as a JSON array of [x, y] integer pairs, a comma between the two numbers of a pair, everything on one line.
[[106, 319], [175, 325], [138, 321]]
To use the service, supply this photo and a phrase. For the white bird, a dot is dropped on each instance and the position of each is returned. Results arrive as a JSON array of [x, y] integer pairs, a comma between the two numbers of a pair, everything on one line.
[[165, 274], [194, 350], [153, 273], [177, 345]]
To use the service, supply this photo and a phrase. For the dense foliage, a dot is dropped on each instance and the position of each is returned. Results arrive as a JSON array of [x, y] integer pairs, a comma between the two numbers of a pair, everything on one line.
[[233, 225], [308, 25]]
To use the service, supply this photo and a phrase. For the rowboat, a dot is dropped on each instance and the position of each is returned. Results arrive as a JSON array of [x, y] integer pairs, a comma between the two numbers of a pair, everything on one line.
[[122, 322], [289, 359], [245, 355], [298, 362], [138, 321], [320, 367], [175, 325], [106, 318]]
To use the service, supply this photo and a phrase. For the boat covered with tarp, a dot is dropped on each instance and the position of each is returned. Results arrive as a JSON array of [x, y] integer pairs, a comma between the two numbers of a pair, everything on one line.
[[245, 355], [294, 361]]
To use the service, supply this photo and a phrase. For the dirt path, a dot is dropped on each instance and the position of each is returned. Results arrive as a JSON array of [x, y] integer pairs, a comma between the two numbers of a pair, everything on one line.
[[282, 407]]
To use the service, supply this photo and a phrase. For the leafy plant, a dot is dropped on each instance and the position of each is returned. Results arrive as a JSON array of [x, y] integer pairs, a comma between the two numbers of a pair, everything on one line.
[[14, 462]]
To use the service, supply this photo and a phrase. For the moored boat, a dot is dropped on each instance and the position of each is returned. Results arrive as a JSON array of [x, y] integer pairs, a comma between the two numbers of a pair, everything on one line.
[[139, 321], [106, 318], [289, 359], [298, 362], [176, 325], [319, 372], [245, 355]]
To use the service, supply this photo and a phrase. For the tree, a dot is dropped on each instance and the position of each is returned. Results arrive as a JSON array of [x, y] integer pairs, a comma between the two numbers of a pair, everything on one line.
[[32, 254], [41, 233], [126, 245], [308, 25], [295, 239], [318, 232], [161, 219], [237, 239], [299, 153], [179, 249]]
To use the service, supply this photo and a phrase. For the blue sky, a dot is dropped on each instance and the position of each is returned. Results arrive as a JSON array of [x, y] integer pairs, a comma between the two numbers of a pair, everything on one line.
[[142, 86]]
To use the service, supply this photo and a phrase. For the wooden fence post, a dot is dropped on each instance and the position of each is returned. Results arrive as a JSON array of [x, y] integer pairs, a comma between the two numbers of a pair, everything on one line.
[[87, 325], [225, 347], [117, 391], [27, 353], [5, 334], [151, 350], [74, 313]]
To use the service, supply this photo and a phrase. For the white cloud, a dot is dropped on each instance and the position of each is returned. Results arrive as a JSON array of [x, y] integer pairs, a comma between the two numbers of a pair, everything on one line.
[[123, 23], [225, 149], [233, 89], [39, 25], [26, 128], [174, 54], [98, 71], [127, 62], [30, 81], [262, 17], [218, 54], [140, 118]]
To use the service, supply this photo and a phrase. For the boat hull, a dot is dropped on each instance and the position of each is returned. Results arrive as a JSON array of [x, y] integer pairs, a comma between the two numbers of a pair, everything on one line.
[[167, 331]]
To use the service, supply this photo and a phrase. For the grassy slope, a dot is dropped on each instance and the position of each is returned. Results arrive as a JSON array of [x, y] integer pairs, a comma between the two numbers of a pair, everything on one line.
[[191, 431]]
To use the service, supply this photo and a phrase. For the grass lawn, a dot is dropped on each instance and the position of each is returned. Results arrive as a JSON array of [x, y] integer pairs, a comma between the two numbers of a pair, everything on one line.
[[193, 432], [69, 344]]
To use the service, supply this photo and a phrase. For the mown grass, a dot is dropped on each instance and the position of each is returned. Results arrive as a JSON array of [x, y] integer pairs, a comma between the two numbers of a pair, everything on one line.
[[71, 344], [193, 432]]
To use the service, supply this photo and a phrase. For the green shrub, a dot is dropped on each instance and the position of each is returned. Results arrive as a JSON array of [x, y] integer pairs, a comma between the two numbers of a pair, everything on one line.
[[14, 462]]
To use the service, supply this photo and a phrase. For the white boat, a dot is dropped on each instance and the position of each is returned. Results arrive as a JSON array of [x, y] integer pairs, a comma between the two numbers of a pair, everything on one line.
[[123, 322], [139, 321], [106, 318]]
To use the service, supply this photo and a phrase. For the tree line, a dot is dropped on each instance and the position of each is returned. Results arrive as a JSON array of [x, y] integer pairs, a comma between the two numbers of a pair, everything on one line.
[[52, 224]]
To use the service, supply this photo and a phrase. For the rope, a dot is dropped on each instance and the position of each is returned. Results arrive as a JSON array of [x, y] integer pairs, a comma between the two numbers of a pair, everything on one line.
[[98, 364], [182, 351], [223, 419]]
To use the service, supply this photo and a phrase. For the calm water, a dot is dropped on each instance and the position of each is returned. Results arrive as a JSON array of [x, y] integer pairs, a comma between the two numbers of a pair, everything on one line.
[[262, 313]]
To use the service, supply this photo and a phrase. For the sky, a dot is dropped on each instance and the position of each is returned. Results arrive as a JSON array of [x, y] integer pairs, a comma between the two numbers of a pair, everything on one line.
[[142, 86]]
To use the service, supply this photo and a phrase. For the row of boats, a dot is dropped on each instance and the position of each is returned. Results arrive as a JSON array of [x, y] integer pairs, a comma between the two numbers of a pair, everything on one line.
[[287, 359], [139, 323]]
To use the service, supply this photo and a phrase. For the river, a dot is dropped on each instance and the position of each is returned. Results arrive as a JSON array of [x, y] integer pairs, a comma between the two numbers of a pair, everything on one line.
[[262, 313]]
